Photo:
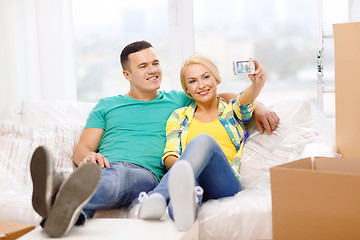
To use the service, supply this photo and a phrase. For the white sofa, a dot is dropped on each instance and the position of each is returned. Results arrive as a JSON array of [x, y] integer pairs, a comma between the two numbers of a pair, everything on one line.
[[303, 132]]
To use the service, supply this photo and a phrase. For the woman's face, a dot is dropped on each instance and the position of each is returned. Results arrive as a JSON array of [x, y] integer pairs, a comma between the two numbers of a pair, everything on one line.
[[200, 83]]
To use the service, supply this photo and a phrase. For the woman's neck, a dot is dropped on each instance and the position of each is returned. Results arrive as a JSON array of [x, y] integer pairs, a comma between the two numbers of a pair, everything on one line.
[[207, 112]]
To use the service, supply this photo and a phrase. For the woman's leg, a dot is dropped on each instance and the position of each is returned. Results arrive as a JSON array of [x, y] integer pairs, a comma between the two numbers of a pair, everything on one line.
[[212, 169]]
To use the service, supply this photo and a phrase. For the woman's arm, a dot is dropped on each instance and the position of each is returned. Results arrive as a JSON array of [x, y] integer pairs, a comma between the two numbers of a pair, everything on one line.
[[169, 161], [257, 83], [172, 148]]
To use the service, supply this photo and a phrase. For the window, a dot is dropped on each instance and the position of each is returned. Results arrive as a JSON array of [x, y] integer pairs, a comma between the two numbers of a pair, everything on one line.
[[281, 34], [102, 28]]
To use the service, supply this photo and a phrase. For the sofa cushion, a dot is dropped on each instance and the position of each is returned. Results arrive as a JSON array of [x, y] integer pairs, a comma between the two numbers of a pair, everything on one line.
[[19, 141]]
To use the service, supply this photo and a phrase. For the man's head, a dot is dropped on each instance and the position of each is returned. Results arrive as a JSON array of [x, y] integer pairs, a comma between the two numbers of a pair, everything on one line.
[[141, 68], [132, 48]]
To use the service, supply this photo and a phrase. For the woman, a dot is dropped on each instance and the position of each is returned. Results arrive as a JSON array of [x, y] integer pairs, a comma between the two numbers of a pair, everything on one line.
[[204, 144]]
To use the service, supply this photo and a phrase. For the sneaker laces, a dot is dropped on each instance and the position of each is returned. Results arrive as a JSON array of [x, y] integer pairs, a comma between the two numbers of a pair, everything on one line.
[[142, 197], [198, 193]]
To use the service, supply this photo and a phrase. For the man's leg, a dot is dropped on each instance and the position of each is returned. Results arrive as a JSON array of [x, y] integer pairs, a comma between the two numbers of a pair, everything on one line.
[[119, 186]]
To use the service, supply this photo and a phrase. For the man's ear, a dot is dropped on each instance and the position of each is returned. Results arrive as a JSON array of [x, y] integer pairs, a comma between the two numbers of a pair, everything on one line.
[[127, 75]]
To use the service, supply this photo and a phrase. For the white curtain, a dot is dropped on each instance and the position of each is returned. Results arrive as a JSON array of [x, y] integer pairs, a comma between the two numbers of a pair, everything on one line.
[[36, 51], [354, 10]]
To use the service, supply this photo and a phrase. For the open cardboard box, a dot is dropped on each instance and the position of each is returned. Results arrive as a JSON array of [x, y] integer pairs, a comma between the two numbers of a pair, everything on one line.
[[317, 199], [347, 85], [10, 230]]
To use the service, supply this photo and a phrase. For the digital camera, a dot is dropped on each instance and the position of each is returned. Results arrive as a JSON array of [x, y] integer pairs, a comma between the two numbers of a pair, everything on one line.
[[244, 67]]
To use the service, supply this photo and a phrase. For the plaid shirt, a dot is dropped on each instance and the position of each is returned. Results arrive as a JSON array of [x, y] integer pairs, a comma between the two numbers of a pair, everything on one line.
[[232, 116]]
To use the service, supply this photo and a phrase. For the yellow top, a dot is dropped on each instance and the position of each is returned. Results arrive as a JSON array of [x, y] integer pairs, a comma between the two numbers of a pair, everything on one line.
[[217, 131]]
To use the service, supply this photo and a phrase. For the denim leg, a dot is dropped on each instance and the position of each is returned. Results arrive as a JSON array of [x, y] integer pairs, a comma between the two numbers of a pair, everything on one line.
[[212, 169], [119, 185]]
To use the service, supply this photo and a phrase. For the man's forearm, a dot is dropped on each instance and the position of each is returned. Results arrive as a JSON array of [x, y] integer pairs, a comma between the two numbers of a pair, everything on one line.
[[81, 151]]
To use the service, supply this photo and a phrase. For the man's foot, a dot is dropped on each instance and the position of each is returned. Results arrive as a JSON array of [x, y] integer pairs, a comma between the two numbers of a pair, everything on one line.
[[152, 207], [46, 181], [182, 194], [73, 195]]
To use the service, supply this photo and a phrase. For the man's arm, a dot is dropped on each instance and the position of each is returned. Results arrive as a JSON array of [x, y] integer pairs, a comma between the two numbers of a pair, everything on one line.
[[265, 119], [85, 150]]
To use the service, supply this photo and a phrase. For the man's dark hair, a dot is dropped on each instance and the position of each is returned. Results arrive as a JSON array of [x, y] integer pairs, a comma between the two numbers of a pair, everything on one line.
[[132, 48]]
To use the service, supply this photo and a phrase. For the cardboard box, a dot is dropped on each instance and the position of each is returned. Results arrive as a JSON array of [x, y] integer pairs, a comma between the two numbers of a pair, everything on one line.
[[317, 199], [347, 87], [10, 230]]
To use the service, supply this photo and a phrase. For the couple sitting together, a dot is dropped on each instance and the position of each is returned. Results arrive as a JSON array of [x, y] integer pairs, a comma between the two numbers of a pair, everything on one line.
[[171, 150]]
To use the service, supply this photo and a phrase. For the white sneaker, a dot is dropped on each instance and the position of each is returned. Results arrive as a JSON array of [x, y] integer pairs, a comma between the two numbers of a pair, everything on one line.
[[152, 207], [182, 195]]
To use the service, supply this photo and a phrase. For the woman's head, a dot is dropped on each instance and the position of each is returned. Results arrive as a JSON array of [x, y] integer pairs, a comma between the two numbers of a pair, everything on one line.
[[199, 60]]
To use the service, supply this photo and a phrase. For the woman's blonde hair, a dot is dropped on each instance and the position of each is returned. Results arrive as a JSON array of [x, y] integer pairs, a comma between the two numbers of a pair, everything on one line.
[[202, 60]]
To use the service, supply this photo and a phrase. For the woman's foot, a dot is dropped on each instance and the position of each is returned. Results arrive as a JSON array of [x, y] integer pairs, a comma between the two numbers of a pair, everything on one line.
[[152, 207], [182, 195]]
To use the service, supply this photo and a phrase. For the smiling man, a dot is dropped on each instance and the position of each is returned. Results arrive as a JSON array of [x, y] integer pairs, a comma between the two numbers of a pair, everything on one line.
[[125, 136]]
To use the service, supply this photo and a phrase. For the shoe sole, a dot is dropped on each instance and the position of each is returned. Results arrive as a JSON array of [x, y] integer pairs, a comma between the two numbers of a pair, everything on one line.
[[73, 195], [41, 168], [182, 195]]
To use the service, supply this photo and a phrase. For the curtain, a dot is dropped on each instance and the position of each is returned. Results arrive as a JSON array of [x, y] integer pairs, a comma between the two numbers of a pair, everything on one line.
[[354, 10], [36, 51]]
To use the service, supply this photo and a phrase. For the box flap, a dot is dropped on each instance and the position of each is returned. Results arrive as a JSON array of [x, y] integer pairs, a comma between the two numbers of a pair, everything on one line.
[[347, 85]]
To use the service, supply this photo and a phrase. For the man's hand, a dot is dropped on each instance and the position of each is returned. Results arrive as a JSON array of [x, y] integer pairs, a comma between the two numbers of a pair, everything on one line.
[[265, 119], [95, 158], [86, 149]]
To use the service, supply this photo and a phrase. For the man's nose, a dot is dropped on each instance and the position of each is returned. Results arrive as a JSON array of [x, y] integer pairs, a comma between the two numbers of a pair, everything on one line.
[[152, 69]]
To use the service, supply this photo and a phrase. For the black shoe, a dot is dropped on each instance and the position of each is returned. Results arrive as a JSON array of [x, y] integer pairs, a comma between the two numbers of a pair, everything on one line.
[[46, 181], [73, 195]]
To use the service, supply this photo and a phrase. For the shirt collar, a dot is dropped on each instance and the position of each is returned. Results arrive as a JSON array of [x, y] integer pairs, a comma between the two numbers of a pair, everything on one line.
[[190, 111]]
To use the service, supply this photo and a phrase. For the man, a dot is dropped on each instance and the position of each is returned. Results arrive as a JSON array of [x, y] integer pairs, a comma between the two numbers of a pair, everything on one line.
[[125, 136]]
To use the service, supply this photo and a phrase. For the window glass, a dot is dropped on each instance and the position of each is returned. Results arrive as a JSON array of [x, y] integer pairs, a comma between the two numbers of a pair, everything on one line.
[[280, 34], [102, 28]]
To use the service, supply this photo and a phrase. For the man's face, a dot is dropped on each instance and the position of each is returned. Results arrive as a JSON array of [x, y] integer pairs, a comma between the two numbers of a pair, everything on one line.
[[144, 71]]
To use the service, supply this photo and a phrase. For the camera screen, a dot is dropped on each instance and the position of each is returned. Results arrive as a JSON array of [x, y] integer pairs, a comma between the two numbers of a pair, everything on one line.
[[243, 66]]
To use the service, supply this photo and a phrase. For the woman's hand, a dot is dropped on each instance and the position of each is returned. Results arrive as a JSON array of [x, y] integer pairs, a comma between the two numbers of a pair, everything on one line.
[[259, 76], [258, 80]]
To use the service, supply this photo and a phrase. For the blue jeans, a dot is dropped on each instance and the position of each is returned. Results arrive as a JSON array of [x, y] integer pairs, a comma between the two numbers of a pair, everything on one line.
[[119, 185], [212, 170]]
